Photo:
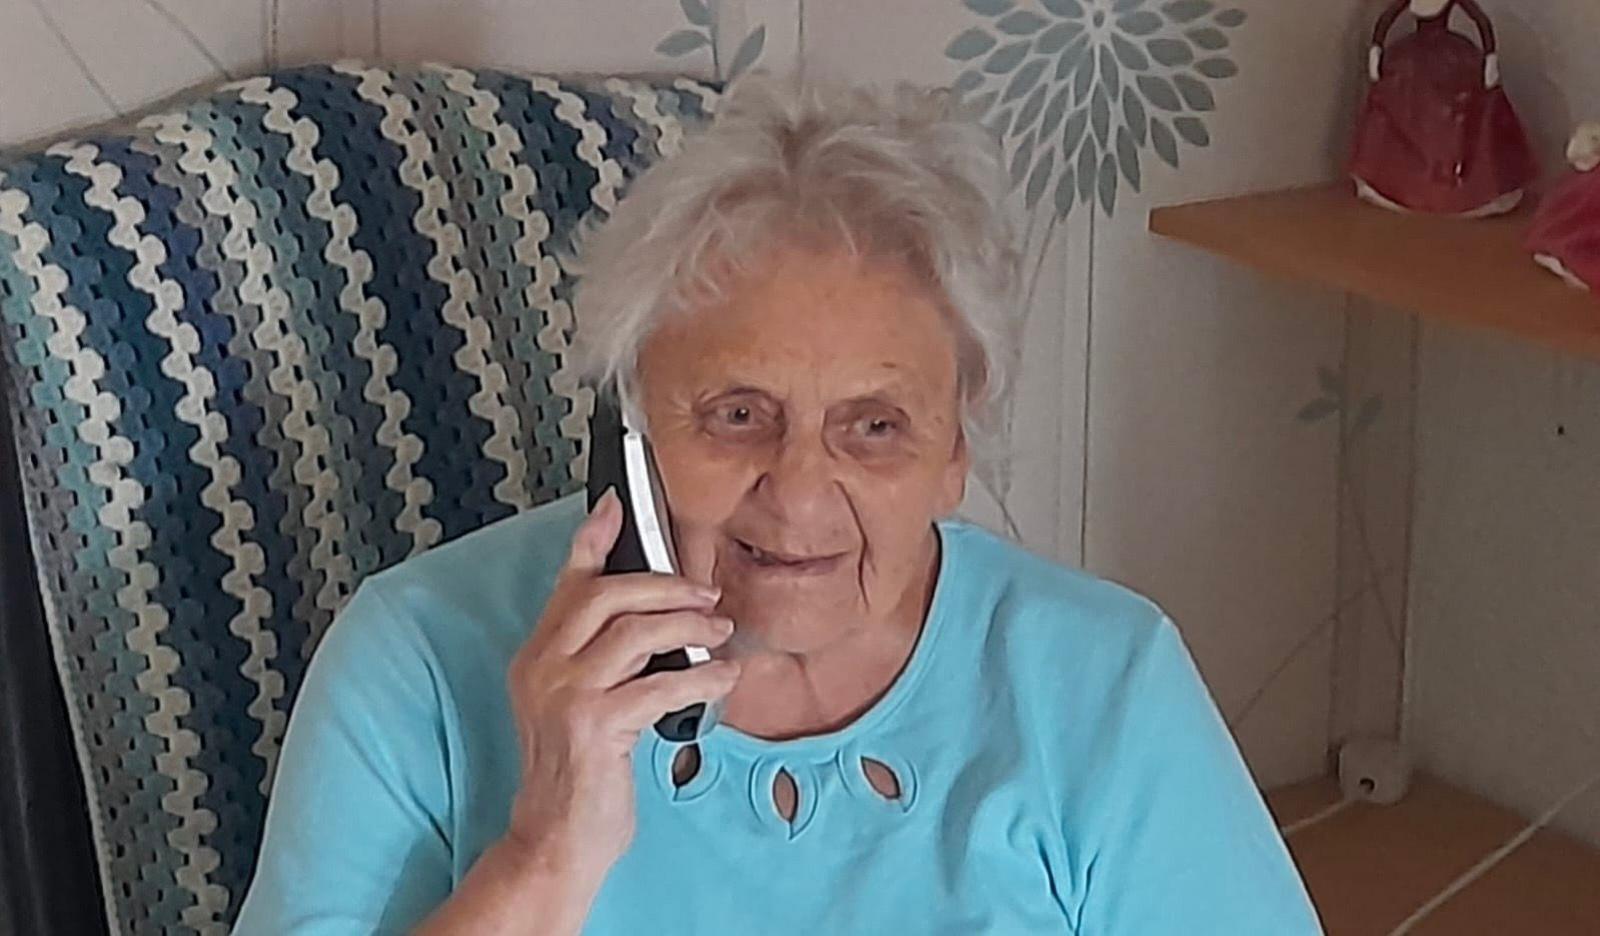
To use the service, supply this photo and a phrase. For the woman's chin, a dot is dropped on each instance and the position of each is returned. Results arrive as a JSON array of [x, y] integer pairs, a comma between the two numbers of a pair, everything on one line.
[[794, 607], [785, 626]]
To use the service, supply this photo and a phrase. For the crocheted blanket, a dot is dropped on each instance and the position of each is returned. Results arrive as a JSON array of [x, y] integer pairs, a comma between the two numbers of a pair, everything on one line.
[[259, 347]]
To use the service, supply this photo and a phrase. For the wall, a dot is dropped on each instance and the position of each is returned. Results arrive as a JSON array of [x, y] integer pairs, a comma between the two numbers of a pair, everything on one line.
[[1504, 693], [1171, 428]]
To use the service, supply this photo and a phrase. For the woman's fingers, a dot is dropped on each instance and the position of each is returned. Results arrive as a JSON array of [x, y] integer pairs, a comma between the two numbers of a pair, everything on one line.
[[626, 644], [592, 542], [589, 605], [585, 598], [640, 702]]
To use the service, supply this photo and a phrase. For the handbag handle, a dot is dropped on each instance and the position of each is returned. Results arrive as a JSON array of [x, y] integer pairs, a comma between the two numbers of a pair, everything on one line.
[[1486, 38]]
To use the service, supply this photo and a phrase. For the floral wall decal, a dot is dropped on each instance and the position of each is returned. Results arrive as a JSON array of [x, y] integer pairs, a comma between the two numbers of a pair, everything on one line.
[[43, 8], [189, 36], [1081, 90], [71, 51], [1373, 578], [1332, 401], [703, 33]]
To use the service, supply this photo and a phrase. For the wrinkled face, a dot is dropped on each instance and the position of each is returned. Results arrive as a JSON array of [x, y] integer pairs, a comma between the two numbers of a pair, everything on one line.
[[807, 428]]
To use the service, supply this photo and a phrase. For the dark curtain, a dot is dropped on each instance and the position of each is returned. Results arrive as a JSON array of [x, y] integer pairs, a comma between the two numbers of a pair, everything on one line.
[[49, 885]]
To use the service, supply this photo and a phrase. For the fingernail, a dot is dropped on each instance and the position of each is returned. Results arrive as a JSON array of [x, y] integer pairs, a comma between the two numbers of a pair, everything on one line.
[[710, 593], [724, 625]]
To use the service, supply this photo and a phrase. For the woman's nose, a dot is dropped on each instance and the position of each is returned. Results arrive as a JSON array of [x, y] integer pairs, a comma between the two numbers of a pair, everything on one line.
[[800, 480]]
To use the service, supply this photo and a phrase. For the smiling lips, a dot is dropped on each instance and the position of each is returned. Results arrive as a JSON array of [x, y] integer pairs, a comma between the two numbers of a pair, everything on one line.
[[781, 563]]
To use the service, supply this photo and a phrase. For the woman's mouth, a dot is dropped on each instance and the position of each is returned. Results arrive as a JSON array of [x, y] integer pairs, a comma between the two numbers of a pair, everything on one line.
[[783, 563]]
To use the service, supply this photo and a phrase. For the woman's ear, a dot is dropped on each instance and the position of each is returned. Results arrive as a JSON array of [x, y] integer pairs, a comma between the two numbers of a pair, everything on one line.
[[954, 482]]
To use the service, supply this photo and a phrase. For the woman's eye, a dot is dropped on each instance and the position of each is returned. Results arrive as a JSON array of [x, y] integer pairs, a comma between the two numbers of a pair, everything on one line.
[[736, 420], [878, 427]]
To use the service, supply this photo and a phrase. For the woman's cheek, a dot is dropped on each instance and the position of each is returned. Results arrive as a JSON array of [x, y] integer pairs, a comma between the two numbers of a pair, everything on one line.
[[894, 507], [705, 481], [703, 491]]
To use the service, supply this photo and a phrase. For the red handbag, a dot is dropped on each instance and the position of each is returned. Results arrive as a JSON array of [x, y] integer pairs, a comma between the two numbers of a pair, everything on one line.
[[1565, 237], [1437, 133]]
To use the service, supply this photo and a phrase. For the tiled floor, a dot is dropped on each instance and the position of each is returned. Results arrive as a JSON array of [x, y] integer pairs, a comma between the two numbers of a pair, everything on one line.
[[1368, 867]]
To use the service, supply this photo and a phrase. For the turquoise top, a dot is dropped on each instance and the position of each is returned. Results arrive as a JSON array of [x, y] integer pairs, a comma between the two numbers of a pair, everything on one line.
[[1062, 770]]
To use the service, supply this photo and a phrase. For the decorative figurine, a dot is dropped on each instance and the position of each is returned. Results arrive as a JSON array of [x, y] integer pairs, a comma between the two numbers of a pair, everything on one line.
[[1437, 134], [1566, 231]]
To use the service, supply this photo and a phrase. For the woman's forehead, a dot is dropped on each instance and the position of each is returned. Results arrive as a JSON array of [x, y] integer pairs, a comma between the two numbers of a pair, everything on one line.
[[831, 314], [806, 371]]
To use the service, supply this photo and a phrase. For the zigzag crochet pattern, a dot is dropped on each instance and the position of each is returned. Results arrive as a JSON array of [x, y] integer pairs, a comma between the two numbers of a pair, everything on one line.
[[260, 346]]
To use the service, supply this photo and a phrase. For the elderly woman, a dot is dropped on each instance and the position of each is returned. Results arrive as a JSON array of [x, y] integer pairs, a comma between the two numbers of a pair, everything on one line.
[[925, 728]]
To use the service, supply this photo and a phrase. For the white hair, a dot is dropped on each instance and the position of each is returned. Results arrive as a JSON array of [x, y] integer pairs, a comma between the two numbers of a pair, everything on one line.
[[900, 175]]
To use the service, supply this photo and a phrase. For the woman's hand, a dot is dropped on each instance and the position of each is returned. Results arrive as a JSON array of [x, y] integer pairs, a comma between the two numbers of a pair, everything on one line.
[[578, 707], [579, 711]]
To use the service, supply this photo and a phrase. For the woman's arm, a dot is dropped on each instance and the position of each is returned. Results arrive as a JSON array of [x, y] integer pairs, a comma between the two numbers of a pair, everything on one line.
[[354, 838], [579, 712], [512, 890], [1175, 834], [358, 826]]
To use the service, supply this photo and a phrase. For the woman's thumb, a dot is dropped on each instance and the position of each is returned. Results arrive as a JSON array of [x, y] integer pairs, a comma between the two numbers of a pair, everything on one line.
[[596, 535]]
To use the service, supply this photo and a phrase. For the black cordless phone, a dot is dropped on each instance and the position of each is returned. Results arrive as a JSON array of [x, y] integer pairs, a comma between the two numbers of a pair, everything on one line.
[[620, 458]]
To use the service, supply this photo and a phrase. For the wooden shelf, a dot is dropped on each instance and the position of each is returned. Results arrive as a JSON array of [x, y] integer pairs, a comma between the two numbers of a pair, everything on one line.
[[1369, 867], [1468, 272]]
